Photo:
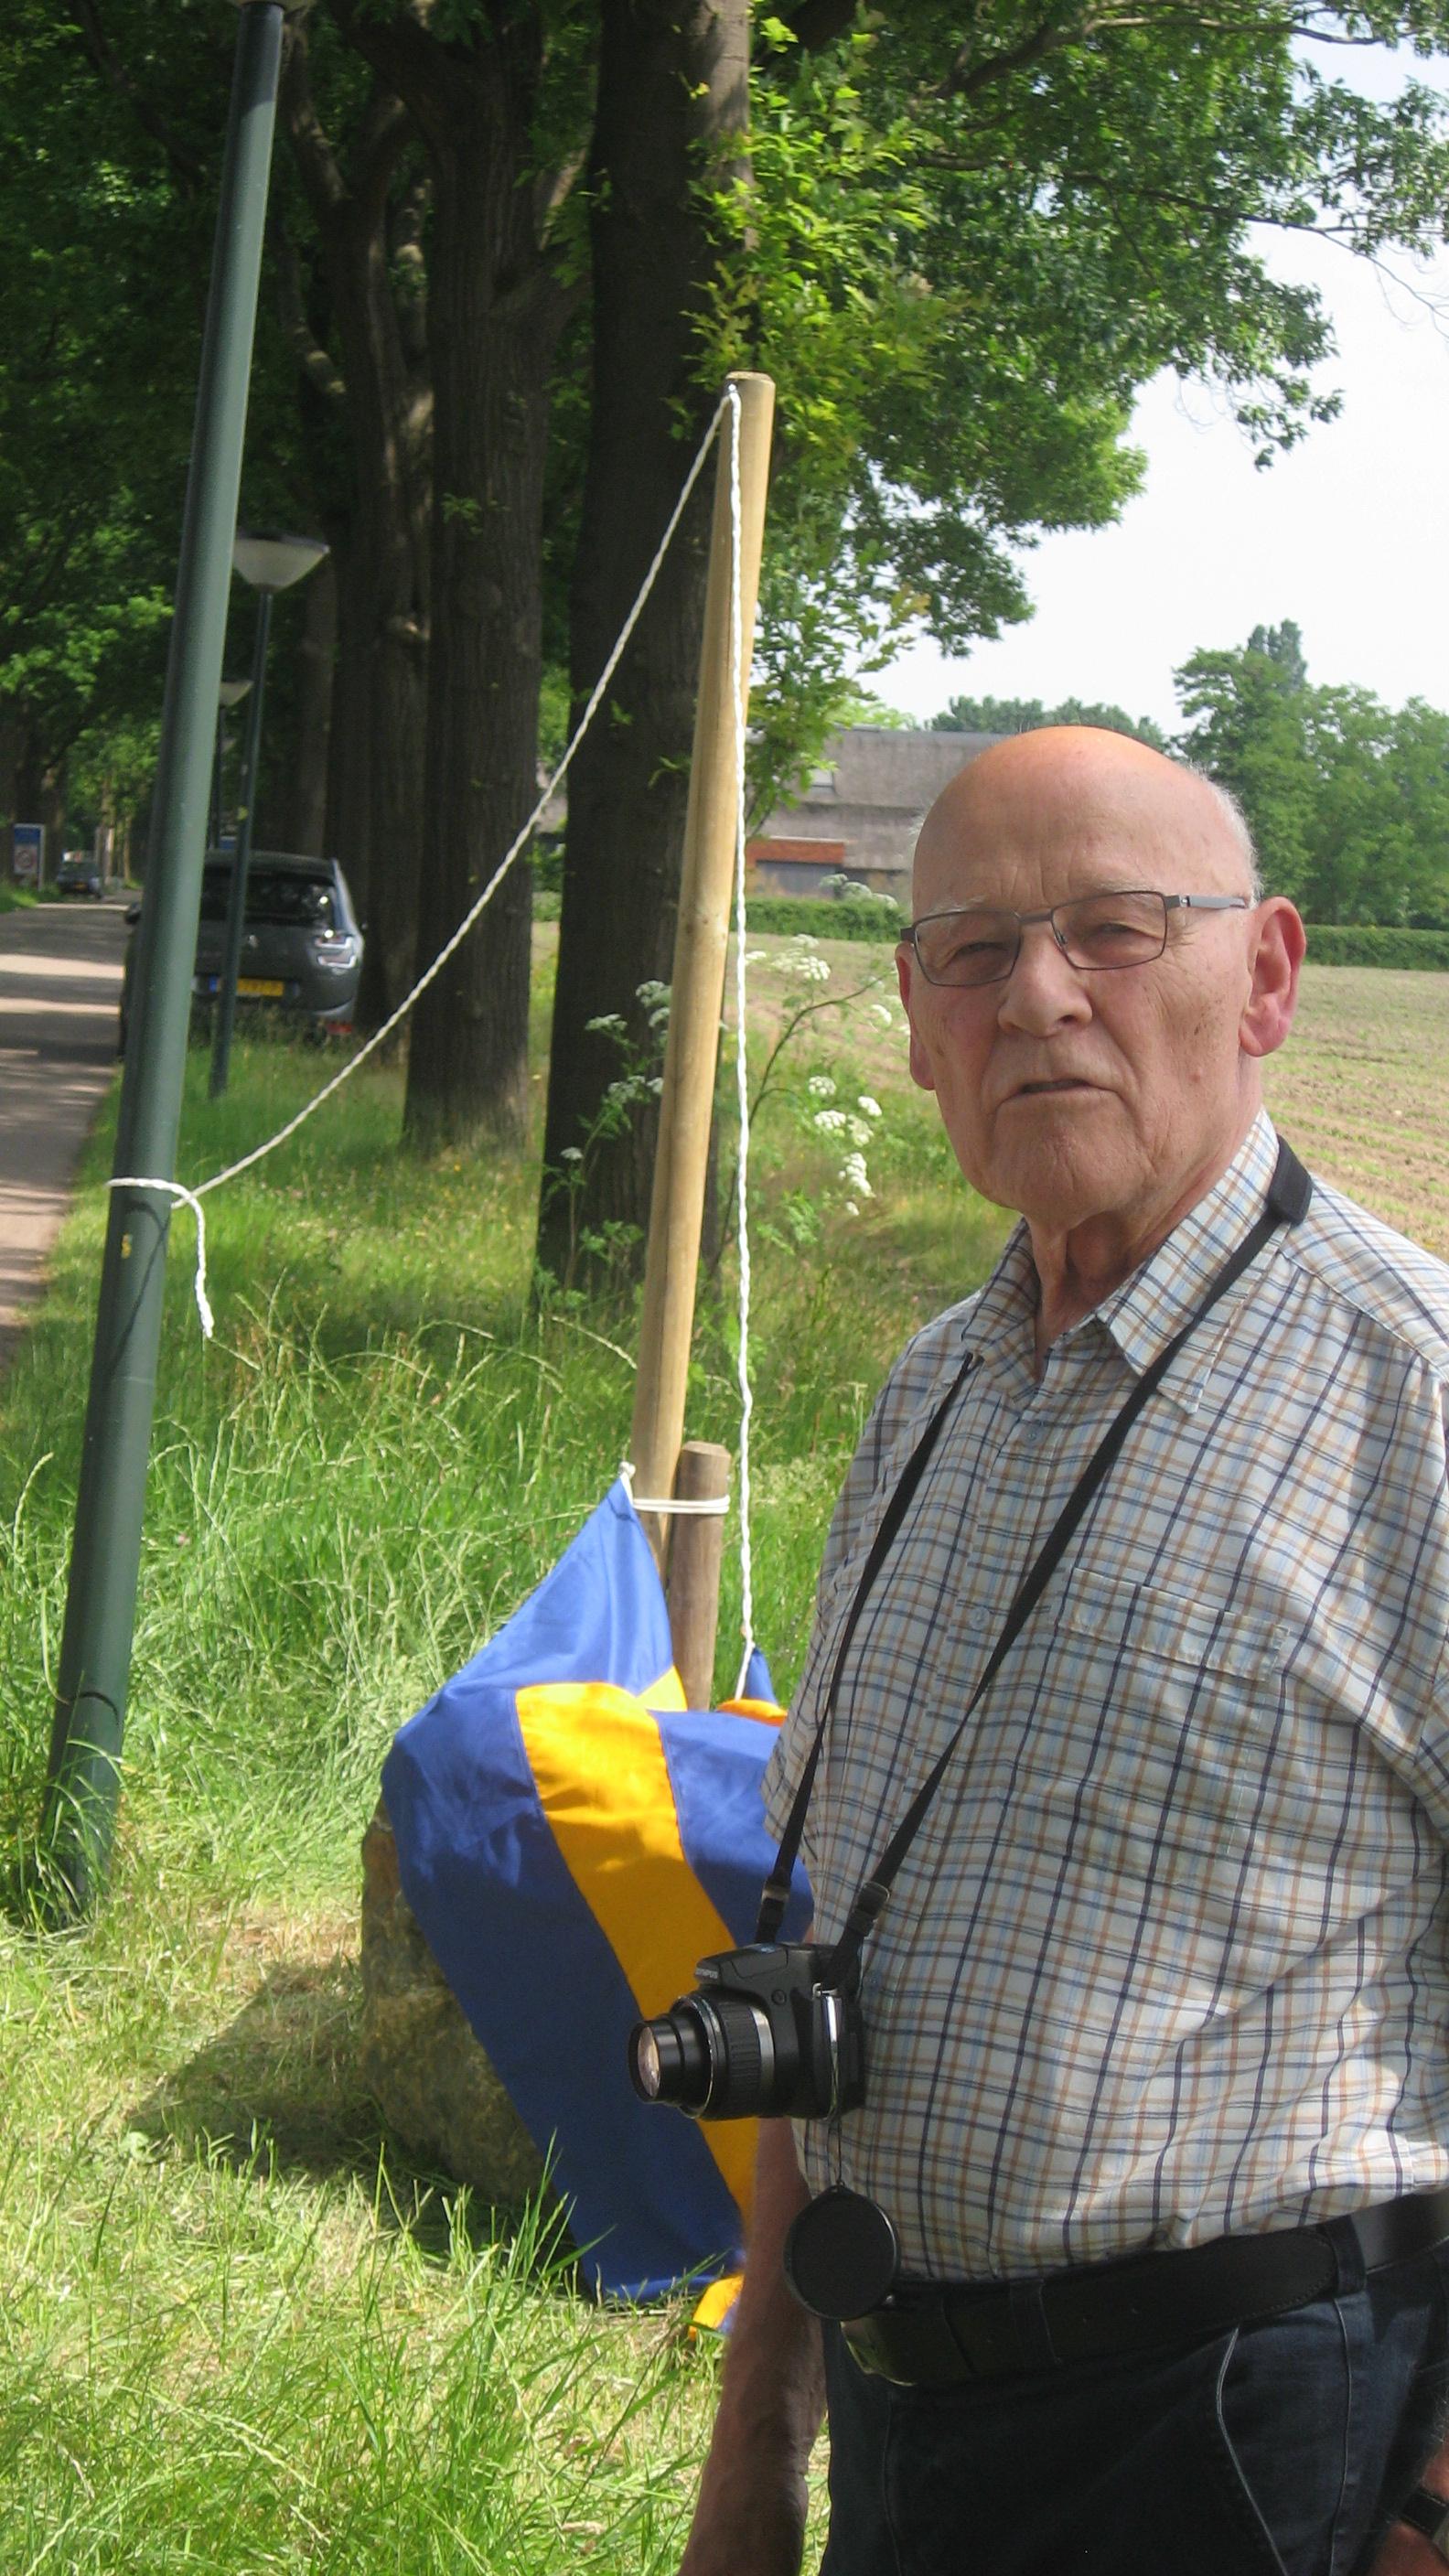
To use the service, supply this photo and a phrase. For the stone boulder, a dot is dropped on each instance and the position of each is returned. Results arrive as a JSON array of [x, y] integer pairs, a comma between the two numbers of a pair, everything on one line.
[[429, 2076]]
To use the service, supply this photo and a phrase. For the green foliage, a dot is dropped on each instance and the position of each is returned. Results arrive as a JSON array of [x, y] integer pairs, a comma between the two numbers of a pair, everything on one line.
[[1028, 715], [967, 241], [1348, 799], [1361, 944], [98, 348], [861, 916]]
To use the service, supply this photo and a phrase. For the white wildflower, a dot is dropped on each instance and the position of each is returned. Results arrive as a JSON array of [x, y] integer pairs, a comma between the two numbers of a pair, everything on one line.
[[853, 1174], [571, 1154], [820, 1087], [871, 1107], [656, 1083], [803, 939], [850, 1208], [755, 956], [812, 970], [651, 993], [831, 1122], [857, 1130], [879, 1013], [606, 1020]]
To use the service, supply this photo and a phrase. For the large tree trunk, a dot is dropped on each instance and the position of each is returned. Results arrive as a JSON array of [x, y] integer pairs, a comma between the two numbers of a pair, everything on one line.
[[299, 818], [347, 834], [11, 734], [383, 692], [468, 1068], [672, 77], [495, 307]]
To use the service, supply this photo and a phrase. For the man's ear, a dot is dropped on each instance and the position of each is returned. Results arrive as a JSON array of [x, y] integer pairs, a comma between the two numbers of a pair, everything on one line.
[[1279, 942], [921, 1073]]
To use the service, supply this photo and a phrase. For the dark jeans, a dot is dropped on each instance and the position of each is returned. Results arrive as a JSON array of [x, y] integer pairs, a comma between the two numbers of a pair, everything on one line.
[[1276, 2450]]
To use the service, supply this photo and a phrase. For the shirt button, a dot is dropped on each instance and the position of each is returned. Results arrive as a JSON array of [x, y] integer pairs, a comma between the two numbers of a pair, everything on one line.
[[976, 1618]]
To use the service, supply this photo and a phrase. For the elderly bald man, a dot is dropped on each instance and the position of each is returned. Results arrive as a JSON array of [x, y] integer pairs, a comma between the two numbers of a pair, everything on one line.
[[1157, 2093]]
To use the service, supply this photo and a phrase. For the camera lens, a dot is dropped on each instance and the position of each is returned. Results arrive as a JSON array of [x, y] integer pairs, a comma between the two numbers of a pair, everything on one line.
[[669, 2061], [712, 2055]]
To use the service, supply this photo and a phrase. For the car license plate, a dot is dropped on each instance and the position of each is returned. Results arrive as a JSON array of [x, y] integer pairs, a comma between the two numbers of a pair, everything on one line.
[[261, 988]]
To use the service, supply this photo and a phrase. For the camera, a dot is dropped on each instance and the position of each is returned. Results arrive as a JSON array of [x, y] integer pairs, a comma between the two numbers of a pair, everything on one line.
[[762, 2036]]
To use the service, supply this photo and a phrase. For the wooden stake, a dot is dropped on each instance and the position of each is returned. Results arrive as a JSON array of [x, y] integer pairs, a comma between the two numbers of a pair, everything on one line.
[[695, 1553], [676, 1213]]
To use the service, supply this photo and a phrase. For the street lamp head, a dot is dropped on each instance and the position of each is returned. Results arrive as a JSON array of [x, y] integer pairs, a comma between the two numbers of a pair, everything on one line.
[[271, 562], [231, 692]]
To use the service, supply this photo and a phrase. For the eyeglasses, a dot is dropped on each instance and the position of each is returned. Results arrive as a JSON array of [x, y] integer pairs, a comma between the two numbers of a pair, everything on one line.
[[981, 943]]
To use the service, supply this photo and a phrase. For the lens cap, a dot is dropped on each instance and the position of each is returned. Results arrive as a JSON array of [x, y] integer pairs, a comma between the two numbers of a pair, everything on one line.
[[841, 2255]]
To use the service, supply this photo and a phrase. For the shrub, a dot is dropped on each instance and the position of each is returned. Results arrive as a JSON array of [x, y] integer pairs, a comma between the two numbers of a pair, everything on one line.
[[1348, 943], [855, 916]]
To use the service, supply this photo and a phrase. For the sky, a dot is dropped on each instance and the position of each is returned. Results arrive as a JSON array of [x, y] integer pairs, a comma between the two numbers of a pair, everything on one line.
[[1348, 534]]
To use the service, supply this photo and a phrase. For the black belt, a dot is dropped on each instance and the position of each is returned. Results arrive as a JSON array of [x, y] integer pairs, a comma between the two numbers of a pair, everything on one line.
[[934, 2335]]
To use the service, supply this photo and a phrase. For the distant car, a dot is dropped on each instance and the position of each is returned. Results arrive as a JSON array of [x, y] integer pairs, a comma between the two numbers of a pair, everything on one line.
[[301, 944], [80, 873]]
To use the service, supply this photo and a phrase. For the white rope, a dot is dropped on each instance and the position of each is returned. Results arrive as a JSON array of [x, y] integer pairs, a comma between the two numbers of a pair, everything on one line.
[[701, 1505], [742, 1085], [507, 861], [678, 1506], [184, 1198], [193, 1198]]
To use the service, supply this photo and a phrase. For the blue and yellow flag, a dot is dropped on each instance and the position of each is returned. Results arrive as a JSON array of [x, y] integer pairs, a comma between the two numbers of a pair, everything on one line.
[[571, 1839]]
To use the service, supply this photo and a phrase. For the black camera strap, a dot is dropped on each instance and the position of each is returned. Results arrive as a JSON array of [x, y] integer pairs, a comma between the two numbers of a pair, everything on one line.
[[1289, 1193]]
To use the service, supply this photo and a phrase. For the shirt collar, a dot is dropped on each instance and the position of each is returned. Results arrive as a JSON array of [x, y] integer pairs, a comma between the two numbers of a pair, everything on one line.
[[1143, 1314]]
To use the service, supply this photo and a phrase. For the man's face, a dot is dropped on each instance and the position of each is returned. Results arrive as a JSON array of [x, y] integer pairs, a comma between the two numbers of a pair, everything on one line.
[[1078, 1096]]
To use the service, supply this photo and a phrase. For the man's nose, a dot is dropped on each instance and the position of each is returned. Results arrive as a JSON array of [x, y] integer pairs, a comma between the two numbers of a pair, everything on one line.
[[1043, 991]]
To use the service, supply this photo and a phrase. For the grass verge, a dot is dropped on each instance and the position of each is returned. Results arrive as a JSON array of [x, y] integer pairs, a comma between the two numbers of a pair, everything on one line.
[[242, 2332]]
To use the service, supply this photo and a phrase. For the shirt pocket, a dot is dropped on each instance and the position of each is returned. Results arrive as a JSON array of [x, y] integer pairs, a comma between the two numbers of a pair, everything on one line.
[[1154, 1714]]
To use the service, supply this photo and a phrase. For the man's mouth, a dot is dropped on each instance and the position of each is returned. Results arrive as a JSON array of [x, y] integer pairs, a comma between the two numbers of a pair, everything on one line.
[[1041, 1090]]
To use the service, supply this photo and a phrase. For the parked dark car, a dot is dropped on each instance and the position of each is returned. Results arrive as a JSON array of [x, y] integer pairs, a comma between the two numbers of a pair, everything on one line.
[[80, 873], [301, 946]]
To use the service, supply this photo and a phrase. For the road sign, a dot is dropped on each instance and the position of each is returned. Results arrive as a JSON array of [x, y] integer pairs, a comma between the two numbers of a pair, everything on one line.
[[28, 843]]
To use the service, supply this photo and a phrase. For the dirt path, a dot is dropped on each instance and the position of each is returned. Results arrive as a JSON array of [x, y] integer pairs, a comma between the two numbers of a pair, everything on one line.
[[60, 983]]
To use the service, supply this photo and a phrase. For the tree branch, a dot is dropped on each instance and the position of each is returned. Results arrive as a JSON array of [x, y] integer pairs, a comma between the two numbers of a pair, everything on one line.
[[316, 161], [316, 363], [188, 167], [815, 23], [967, 78]]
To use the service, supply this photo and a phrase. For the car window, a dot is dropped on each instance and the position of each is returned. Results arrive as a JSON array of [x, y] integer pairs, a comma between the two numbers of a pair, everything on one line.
[[275, 897]]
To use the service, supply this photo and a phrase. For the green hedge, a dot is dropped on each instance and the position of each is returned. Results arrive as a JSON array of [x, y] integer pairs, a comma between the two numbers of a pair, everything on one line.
[[879, 917], [1350, 943], [823, 917]]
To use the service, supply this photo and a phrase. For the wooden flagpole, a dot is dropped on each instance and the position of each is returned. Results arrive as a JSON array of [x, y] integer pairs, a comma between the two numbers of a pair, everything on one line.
[[676, 1214]]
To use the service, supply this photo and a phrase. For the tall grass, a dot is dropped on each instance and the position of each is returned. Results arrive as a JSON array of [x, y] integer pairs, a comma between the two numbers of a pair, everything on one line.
[[240, 2331]]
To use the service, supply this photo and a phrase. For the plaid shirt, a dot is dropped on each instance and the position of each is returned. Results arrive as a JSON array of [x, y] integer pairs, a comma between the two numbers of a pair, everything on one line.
[[1168, 1956]]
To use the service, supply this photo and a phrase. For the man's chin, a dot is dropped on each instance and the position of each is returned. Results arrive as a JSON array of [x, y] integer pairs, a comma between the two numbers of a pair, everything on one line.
[[1056, 1166]]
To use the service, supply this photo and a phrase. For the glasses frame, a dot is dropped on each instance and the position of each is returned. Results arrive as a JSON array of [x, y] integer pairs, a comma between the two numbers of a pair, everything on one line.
[[1170, 903]]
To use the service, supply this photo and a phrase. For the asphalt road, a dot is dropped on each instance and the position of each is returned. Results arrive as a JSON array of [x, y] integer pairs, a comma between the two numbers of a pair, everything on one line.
[[60, 985]]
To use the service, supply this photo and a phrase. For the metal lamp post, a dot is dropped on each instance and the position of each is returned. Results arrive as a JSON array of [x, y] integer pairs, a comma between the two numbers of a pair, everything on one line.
[[83, 1772], [270, 564], [229, 695]]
